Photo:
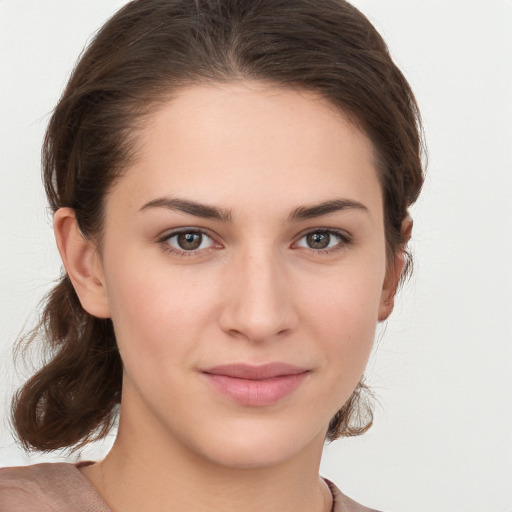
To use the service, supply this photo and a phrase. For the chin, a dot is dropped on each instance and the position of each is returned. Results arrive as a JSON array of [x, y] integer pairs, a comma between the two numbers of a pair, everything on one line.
[[259, 446]]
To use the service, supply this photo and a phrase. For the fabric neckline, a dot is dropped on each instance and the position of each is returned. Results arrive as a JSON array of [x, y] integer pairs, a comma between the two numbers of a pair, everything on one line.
[[332, 487]]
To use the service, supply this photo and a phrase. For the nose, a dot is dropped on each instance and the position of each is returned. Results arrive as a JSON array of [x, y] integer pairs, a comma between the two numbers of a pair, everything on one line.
[[258, 300]]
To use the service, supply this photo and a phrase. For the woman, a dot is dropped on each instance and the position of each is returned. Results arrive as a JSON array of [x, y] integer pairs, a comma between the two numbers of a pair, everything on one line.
[[230, 182]]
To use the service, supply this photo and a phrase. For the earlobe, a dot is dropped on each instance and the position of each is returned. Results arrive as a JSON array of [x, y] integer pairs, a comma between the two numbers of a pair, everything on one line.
[[82, 263], [394, 273]]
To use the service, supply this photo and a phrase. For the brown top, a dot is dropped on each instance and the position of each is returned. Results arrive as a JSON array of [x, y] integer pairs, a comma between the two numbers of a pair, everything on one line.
[[61, 487]]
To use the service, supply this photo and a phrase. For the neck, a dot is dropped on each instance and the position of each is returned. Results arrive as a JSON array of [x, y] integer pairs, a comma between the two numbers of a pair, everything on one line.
[[143, 473]]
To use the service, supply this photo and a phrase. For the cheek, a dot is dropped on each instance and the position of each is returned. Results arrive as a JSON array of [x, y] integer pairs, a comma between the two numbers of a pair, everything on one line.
[[159, 313], [157, 334], [344, 314], [348, 299]]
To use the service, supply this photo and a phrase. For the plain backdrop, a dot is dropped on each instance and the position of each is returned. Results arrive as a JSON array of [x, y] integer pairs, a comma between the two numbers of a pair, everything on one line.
[[442, 368]]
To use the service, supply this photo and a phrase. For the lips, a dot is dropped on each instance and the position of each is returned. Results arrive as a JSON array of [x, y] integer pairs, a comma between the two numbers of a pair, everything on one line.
[[256, 385]]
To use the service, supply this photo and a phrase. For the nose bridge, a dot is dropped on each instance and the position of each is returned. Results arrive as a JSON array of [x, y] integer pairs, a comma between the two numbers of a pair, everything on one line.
[[258, 305]]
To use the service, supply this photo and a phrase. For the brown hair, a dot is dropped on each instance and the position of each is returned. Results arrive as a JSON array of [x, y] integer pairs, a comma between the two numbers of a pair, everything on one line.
[[143, 53]]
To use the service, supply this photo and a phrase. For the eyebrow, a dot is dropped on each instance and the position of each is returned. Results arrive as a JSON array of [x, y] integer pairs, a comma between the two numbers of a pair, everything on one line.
[[190, 207], [213, 212], [324, 208]]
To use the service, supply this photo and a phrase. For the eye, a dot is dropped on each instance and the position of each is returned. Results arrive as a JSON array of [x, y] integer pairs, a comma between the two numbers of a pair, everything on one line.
[[323, 240], [187, 241]]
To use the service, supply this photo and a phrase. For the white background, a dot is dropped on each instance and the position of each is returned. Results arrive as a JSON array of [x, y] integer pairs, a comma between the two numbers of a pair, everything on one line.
[[442, 370]]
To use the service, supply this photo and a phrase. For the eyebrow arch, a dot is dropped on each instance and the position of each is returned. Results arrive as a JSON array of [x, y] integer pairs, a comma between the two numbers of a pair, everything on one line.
[[190, 207], [324, 208], [213, 212]]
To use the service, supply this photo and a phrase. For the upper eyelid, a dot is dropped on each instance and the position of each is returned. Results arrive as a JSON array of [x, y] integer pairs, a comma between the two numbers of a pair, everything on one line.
[[337, 231], [176, 231]]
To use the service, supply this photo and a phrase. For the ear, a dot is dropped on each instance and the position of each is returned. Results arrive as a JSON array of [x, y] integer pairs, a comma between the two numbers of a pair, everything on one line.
[[82, 263], [394, 273]]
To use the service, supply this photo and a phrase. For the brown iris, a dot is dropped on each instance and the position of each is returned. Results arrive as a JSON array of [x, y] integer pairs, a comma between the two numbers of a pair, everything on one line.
[[189, 241], [318, 240]]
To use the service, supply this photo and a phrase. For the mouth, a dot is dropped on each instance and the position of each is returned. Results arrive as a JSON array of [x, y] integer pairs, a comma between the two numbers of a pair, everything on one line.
[[256, 385]]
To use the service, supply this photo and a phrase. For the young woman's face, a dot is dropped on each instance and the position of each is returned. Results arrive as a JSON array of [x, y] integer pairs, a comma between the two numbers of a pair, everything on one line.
[[243, 262]]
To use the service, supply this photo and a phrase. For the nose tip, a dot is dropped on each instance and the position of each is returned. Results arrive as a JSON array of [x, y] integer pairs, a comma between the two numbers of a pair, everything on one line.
[[258, 329], [257, 304]]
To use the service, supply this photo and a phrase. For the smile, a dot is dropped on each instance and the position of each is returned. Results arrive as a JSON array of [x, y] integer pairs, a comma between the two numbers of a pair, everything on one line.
[[256, 385]]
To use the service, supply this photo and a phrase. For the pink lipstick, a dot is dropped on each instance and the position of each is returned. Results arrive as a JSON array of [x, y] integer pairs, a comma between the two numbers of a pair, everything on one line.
[[256, 385]]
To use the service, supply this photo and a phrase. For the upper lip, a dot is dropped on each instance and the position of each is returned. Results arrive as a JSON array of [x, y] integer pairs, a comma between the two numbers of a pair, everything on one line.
[[255, 372]]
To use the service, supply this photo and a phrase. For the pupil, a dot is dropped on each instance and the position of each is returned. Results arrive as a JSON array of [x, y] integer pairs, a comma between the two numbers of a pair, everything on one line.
[[318, 240], [189, 241]]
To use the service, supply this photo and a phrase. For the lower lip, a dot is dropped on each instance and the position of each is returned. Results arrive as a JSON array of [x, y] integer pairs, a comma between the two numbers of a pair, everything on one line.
[[256, 392]]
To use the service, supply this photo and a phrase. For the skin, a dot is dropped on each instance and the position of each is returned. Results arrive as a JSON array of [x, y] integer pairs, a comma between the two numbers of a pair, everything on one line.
[[255, 292]]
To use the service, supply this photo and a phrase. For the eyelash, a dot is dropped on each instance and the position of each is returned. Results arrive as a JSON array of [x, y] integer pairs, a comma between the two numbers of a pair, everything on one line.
[[343, 240]]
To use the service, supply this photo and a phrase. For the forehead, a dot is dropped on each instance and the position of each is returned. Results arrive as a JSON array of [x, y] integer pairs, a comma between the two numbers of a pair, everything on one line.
[[251, 145]]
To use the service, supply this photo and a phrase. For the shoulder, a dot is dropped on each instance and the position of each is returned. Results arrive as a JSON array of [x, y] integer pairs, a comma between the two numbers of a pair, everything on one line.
[[50, 487], [342, 503]]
